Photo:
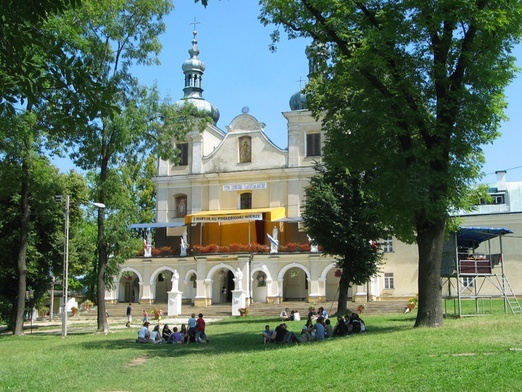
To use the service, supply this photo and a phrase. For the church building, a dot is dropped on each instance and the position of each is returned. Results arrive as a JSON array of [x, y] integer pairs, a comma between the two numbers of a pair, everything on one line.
[[229, 228]]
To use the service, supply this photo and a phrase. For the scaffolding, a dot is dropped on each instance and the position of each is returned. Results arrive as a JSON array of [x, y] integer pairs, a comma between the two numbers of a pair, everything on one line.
[[472, 268]]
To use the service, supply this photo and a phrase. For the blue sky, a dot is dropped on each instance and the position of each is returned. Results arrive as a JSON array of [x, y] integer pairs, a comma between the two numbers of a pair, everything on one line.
[[242, 72]]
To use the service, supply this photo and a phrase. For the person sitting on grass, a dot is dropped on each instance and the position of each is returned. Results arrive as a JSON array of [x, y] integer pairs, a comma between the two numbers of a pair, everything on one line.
[[319, 329], [175, 337], [322, 313], [166, 332], [285, 314], [312, 315], [144, 333], [347, 320], [283, 335], [184, 333], [328, 329], [305, 335], [155, 335], [268, 335], [340, 329], [355, 325]]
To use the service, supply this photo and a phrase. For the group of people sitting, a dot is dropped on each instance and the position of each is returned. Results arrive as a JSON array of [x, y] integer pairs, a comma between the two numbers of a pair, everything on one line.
[[287, 315], [313, 315], [195, 333], [320, 330]]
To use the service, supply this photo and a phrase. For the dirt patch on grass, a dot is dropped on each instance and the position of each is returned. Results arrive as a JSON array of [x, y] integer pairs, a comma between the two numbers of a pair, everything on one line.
[[138, 361]]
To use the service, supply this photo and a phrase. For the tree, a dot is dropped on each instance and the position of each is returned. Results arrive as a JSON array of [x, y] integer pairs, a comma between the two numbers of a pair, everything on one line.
[[115, 36], [21, 72], [35, 70], [339, 216], [412, 90], [44, 238]]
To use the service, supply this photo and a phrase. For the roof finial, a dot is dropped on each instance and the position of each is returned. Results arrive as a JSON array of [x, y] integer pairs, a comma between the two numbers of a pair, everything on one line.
[[194, 23], [301, 80]]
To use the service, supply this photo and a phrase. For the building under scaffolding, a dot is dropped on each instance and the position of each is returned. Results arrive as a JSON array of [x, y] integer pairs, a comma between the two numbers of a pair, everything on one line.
[[473, 269]]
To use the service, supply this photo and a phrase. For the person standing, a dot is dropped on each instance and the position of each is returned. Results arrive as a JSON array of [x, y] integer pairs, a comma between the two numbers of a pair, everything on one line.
[[129, 315], [200, 329], [191, 328]]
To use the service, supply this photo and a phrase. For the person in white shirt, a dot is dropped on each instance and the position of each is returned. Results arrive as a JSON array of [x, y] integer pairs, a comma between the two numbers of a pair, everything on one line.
[[143, 333]]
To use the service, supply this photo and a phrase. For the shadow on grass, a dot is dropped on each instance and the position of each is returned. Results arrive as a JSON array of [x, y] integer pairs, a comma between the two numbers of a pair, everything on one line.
[[242, 334]]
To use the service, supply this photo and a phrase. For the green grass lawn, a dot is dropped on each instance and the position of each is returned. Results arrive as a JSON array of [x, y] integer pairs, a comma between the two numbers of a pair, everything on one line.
[[469, 354]]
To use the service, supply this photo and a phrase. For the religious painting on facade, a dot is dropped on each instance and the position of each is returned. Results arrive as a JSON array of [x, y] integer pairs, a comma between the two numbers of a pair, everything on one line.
[[245, 149], [181, 206]]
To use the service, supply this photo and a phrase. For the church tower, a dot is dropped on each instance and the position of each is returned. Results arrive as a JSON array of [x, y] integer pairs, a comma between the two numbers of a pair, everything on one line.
[[193, 68]]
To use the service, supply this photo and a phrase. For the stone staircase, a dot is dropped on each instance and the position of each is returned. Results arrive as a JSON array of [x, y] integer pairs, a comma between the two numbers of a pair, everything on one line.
[[257, 309]]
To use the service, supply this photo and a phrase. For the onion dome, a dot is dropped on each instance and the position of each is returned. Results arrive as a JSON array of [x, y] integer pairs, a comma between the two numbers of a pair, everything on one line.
[[298, 101], [317, 54], [193, 68]]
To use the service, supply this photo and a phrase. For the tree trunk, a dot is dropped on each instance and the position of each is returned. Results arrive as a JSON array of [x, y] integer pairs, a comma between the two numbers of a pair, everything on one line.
[[101, 310], [344, 285], [102, 249], [22, 252], [102, 266], [430, 239]]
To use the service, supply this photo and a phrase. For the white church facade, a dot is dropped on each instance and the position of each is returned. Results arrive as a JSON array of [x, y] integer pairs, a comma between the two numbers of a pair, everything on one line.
[[229, 229]]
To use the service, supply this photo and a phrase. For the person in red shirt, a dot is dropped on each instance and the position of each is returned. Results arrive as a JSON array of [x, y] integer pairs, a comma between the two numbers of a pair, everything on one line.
[[200, 329]]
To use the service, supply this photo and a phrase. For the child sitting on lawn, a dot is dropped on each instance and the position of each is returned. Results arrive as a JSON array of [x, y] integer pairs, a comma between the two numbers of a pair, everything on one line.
[[268, 335]]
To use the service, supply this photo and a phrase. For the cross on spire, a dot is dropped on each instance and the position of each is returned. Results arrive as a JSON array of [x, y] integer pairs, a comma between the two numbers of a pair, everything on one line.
[[301, 80], [194, 23]]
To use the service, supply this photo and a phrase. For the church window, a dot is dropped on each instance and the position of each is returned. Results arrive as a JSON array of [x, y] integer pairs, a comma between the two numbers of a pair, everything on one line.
[[313, 144], [245, 201], [183, 153], [245, 149]]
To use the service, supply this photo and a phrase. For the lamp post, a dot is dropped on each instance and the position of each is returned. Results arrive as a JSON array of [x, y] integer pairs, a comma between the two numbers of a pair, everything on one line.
[[66, 259]]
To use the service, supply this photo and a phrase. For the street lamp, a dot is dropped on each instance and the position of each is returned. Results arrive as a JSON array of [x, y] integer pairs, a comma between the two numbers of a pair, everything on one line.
[[65, 284]]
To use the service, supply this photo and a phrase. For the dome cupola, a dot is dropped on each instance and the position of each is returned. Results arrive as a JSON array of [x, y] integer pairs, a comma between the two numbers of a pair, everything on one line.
[[317, 54], [193, 68]]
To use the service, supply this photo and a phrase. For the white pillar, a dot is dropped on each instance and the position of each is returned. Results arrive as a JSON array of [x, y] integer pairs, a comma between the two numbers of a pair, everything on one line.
[[174, 305], [238, 301]]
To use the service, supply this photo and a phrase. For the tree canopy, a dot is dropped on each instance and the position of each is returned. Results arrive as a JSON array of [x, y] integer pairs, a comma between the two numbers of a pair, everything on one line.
[[339, 216], [412, 90]]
